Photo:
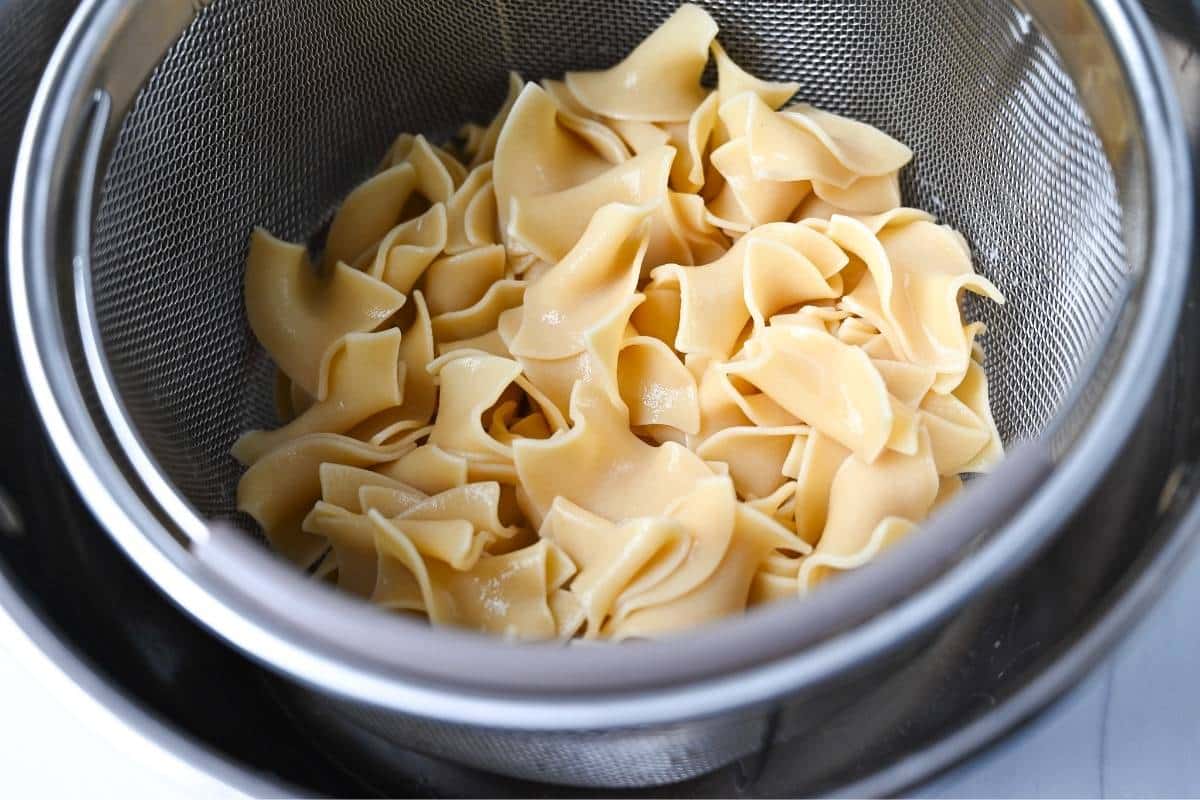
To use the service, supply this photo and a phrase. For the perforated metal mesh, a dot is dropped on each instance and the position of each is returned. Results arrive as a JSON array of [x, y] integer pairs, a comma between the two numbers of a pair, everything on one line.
[[611, 757], [267, 113]]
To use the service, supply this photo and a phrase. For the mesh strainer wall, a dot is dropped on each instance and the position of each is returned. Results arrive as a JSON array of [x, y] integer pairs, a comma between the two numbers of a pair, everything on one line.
[[267, 113]]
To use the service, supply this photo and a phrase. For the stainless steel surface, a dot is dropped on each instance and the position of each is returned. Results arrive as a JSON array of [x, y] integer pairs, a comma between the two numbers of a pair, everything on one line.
[[141, 376]]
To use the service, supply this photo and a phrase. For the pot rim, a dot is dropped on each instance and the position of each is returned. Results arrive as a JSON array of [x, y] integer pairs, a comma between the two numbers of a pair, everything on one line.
[[720, 667]]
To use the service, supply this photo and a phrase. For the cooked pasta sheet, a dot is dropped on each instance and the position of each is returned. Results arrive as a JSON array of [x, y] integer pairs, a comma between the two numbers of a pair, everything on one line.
[[637, 355]]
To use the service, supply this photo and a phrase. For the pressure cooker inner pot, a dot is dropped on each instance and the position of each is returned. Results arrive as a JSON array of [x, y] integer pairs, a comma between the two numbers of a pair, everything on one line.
[[269, 113]]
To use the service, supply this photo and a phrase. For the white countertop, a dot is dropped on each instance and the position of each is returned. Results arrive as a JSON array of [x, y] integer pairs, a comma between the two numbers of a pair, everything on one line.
[[1131, 729], [48, 748]]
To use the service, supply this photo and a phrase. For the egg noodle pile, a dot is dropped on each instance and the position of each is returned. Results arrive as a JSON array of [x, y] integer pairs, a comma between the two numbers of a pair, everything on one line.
[[637, 355]]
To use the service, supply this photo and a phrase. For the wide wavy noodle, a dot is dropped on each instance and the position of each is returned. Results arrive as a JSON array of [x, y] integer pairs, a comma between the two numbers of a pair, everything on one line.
[[299, 316], [585, 124], [459, 281], [802, 143], [342, 484], [831, 386], [600, 272], [508, 594], [538, 155], [862, 496], [471, 213], [600, 465], [656, 387], [774, 267], [610, 555], [368, 213], [484, 149], [746, 201], [916, 272], [732, 80], [724, 589], [469, 384], [407, 250], [690, 141], [637, 354], [365, 377], [755, 456], [550, 224], [660, 80], [282, 486], [429, 469]]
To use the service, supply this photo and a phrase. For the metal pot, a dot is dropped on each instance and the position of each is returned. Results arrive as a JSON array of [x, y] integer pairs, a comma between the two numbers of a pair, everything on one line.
[[650, 714]]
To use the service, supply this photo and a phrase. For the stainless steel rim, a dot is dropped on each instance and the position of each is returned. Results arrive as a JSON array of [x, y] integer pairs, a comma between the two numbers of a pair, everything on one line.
[[63, 106]]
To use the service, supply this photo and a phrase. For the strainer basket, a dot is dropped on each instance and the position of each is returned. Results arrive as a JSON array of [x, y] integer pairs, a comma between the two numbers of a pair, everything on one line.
[[163, 131]]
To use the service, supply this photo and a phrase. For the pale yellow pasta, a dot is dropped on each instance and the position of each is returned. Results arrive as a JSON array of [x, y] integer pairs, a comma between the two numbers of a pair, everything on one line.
[[656, 387], [482, 316], [708, 510], [416, 350], [387, 427], [732, 80], [459, 281], [428, 468], [368, 213], [584, 124], [485, 149], [490, 342], [660, 80], [864, 494], [747, 201], [342, 484], [755, 456], [601, 465], [725, 590], [688, 216], [597, 364], [536, 154], [504, 594], [802, 143], [636, 355], [833, 387], [476, 503], [609, 555], [772, 268], [916, 272], [866, 195], [550, 224], [581, 290], [690, 141], [365, 377], [300, 316], [471, 213], [658, 314], [470, 382], [641, 137], [387, 500], [402, 148], [352, 539], [282, 486], [407, 250], [819, 565], [435, 181], [719, 409]]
